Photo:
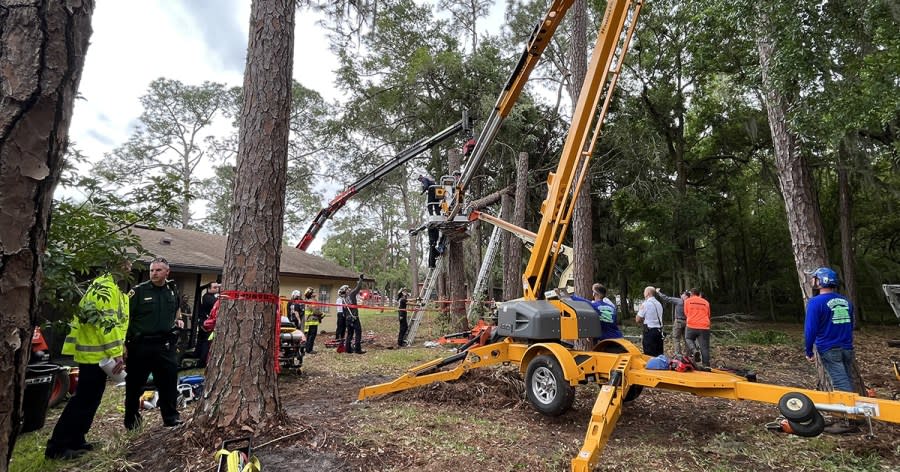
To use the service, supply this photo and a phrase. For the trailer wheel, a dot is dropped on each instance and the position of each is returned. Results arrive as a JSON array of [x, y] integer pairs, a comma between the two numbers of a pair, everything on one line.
[[797, 407], [60, 387], [811, 428], [546, 387]]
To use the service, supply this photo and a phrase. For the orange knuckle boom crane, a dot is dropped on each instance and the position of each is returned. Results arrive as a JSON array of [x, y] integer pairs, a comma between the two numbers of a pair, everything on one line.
[[530, 331]]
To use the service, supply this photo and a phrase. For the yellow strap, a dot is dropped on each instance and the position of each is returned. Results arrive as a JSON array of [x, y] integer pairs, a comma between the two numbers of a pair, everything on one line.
[[232, 461], [253, 465]]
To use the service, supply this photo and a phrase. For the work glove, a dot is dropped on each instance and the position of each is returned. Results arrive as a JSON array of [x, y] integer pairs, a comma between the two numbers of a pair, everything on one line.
[[361, 276]]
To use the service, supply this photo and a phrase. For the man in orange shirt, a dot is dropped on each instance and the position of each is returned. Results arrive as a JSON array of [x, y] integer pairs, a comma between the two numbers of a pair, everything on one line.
[[696, 310]]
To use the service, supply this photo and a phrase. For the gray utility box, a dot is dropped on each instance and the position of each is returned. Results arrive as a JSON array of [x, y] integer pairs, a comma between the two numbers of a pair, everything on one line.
[[540, 320]]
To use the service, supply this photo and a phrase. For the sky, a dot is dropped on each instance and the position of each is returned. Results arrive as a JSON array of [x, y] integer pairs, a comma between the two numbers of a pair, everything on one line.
[[136, 42], [192, 41]]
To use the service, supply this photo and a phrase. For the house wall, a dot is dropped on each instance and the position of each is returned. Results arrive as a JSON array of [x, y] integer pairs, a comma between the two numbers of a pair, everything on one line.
[[188, 284]]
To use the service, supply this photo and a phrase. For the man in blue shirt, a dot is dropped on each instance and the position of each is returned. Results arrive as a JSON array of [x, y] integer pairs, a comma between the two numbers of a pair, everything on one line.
[[606, 312], [829, 326]]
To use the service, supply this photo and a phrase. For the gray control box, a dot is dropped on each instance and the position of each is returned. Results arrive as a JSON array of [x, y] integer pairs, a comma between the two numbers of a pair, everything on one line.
[[540, 320]]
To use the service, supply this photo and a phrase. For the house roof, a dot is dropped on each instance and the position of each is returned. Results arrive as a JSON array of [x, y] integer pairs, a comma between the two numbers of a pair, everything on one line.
[[188, 250]]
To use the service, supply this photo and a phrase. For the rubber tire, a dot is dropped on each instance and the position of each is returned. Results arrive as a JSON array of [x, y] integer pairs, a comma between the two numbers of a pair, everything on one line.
[[797, 407], [554, 395], [635, 390], [811, 428], [60, 389]]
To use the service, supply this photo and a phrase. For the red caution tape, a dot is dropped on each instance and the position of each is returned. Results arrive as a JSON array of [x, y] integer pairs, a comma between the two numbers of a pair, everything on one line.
[[251, 296]]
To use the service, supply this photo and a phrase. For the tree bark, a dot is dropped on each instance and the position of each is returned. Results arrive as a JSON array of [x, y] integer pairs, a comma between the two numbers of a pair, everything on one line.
[[845, 198], [490, 199], [794, 178], [516, 247], [409, 214], [242, 388], [456, 267], [42, 48], [582, 231], [512, 274]]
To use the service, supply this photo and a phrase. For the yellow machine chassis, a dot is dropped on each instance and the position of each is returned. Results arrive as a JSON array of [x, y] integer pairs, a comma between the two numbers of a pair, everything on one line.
[[629, 370]]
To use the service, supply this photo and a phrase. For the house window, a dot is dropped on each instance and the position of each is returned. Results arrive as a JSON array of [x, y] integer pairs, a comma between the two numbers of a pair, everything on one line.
[[323, 297]]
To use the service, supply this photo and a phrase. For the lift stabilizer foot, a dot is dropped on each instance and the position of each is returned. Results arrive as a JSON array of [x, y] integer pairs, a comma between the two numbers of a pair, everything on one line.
[[430, 372]]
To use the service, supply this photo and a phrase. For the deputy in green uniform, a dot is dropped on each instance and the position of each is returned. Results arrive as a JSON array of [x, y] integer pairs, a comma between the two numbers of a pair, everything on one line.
[[91, 342], [150, 345]]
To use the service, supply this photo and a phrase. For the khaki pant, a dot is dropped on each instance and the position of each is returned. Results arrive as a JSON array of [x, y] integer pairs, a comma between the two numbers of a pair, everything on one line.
[[678, 337]]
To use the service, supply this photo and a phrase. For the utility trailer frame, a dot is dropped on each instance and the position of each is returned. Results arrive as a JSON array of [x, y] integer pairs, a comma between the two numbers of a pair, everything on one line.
[[552, 370]]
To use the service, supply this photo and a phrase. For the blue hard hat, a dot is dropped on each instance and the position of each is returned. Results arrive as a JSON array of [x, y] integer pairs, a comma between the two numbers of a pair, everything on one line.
[[827, 277]]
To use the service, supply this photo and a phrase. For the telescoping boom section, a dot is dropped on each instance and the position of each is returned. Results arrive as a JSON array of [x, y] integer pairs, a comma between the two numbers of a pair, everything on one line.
[[403, 157], [530, 333]]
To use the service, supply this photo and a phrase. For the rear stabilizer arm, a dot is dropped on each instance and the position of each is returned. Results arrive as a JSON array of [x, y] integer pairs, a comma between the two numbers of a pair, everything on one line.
[[474, 358]]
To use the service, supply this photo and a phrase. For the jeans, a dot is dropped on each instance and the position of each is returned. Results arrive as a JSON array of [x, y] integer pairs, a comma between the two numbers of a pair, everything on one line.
[[837, 363], [698, 340]]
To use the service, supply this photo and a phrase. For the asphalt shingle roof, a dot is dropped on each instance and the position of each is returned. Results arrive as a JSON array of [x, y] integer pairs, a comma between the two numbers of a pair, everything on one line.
[[188, 249]]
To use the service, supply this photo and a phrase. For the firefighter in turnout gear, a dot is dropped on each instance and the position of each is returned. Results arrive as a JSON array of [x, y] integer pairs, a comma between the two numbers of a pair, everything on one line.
[[150, 344], [313, 318], [354, 328], [91, 343]]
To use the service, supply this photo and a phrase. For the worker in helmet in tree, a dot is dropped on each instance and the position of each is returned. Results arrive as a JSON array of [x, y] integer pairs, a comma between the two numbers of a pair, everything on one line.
[[428, 187]]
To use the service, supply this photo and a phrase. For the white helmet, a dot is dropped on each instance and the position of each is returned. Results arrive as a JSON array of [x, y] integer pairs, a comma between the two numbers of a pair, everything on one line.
[[295, 294], [343, 289]]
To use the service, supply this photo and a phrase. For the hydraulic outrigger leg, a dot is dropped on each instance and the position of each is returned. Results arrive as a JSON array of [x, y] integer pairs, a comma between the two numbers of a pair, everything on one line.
[[620, 369]]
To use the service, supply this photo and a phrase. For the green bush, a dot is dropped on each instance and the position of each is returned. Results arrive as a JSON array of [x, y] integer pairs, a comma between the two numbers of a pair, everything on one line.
[[767, 337]]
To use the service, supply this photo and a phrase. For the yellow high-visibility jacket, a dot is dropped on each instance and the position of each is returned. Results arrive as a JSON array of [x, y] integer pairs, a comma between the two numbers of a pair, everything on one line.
[[311, 318], [91, 344]]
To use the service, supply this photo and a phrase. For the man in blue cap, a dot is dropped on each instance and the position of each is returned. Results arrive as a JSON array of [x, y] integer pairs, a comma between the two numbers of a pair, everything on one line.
[[829, 327]]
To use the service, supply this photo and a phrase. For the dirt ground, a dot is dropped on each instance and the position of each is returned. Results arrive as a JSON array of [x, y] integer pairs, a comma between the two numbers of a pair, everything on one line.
[[482, 421]]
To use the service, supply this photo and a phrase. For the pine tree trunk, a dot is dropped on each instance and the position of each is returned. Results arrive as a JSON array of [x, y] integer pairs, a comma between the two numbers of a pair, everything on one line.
[[241, 383], [512, 275], [848, 256], [582, 234], [581, 220], [456, 267], [410, 216], [518, 218], [794, 178], [42, 48]]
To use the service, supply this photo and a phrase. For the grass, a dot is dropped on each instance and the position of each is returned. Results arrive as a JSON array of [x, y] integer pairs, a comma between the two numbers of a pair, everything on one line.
[[765, 337], [423, 430], [107, 433]]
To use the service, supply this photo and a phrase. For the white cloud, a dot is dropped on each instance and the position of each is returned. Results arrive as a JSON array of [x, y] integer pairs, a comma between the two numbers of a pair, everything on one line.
[[136, 42]]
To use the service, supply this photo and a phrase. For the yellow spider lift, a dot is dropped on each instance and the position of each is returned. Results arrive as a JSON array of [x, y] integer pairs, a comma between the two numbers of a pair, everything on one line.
[[530, 332]]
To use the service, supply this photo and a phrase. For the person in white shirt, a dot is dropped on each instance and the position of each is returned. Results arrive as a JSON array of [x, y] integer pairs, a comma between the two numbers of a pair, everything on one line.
[[650, 316]]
